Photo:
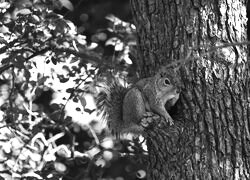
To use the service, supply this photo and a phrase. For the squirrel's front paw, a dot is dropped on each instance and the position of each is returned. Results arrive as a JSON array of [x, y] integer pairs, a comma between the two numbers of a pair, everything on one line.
[[148, 118]]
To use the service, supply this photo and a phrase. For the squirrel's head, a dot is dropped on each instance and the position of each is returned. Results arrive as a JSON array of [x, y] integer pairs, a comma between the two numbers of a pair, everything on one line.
[[167, 91]]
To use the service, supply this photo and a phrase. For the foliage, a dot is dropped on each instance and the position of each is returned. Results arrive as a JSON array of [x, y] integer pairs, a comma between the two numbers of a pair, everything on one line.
[[48, 78]]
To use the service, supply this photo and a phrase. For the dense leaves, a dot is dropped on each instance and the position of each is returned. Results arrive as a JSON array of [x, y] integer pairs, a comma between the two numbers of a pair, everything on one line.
[[48, 76]]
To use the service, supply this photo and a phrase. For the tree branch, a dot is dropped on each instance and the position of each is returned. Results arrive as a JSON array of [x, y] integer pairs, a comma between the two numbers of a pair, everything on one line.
[[10, 44], [38, 53], [88, 57], [209, 50]]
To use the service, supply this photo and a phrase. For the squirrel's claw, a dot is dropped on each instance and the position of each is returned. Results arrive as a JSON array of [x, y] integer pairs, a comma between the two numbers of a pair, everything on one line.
[[170, 120]]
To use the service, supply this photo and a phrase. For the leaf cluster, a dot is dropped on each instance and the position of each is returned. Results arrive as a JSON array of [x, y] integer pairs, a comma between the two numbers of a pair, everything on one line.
[[48, 75]]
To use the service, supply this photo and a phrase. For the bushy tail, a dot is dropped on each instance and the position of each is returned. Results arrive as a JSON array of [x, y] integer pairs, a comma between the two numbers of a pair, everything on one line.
[[109, 102]]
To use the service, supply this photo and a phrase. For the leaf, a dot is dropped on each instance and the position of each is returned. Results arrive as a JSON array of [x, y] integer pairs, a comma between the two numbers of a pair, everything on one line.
[[34, 63], [78, 109], [22, 3], [25, 86], [67, 4], [53, 15], [60, 167], [24, 11], [35, 19], [42, 80], [3, 41], [87, 82], [92, 71], [81, 39], [112, 18], [27, 74], [62, 78], [38, 92], [89, 110], [74, 59], [4, 5], [19, 62], [75, 99], [4, 29], [112, 41], [83, 101], [54, 60], [61, 27], [70, 90], [5, 67]]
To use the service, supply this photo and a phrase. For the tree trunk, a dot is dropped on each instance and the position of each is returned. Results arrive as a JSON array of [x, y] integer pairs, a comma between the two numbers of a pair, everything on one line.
[[210, 138]]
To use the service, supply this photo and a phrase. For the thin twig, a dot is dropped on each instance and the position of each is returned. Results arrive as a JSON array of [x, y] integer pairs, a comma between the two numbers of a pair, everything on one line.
[[10, 44], [12, 87], [94, 135], [72, 93]]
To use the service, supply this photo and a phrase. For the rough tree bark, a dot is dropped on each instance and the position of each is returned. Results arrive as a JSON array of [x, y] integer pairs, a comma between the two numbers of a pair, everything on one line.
[[210, 138]]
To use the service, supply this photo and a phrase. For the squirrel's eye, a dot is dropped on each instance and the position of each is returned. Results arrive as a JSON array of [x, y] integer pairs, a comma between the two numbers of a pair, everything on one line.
[[167, 82]]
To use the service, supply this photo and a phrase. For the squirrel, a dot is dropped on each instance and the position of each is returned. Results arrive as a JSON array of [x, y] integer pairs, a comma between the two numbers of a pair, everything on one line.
[[127, 109]]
